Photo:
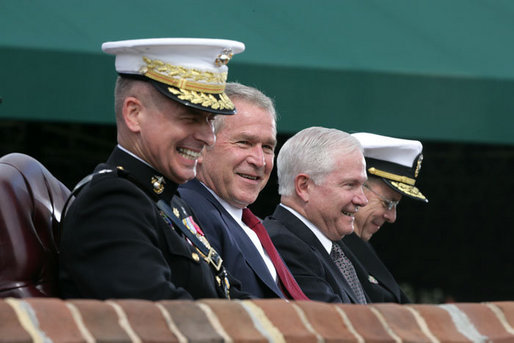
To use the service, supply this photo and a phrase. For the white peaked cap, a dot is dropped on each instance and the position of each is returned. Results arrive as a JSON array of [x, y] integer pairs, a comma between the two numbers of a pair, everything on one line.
[[192, 71], [397, 161], [395, 150]]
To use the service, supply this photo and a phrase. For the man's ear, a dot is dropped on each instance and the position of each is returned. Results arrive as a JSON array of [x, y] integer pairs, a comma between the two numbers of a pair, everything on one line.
[[301, 185], [131, 111]]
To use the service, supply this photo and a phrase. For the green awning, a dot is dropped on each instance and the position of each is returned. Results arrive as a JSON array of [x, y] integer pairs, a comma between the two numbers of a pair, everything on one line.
[[434, 70]]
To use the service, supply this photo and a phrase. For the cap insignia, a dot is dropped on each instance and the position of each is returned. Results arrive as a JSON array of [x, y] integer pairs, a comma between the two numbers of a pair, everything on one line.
[[158, 184], [418, 166], [224, 57]]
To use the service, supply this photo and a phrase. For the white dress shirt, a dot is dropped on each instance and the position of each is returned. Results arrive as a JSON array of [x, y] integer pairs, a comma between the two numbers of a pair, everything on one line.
[[237, 214], [324, 240]]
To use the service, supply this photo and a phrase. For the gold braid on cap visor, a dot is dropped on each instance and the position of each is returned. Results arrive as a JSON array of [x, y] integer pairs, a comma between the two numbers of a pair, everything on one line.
[[403, 183], [391, 176], [411, 190], [193, 85]]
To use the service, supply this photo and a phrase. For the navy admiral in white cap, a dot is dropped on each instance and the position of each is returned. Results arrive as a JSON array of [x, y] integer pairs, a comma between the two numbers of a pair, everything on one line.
[[123, 237], [392, 165]]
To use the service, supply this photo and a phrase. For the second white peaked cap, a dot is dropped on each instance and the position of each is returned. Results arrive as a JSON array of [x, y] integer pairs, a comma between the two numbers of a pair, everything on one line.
[[192, 71], [397, 161]]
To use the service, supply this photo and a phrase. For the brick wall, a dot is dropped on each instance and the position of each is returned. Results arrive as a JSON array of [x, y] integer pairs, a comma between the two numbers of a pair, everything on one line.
[[54, 320]]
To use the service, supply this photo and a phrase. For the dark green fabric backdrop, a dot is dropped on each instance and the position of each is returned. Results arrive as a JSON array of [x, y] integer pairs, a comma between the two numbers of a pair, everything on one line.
[[439, 70]]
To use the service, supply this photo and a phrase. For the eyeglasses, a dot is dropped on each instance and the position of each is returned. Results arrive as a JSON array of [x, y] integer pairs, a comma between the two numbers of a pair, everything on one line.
[[388, 204]]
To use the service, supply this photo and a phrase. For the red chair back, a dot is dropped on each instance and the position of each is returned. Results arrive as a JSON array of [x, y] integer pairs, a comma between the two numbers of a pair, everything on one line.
[[31, 200]]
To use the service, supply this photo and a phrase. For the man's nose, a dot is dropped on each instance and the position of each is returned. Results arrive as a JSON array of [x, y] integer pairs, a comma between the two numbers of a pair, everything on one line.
[[390, 215], [257, 157], [360, 198], [205, 133]]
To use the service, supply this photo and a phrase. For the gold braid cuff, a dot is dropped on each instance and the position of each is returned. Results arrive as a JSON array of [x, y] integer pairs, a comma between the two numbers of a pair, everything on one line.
[[392, 176]]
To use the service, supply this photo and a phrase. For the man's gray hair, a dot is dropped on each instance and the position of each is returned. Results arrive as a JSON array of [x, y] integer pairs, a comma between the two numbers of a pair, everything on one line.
[[122, 88], [252, 95], [311, 151]]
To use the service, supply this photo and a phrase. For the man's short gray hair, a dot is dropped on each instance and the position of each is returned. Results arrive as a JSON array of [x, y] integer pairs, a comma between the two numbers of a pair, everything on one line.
[[311, 151], [252, 95]]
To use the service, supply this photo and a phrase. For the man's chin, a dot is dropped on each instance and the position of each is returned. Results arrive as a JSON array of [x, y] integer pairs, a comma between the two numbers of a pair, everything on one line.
[[243, 201], [347, 230], [184, 176]]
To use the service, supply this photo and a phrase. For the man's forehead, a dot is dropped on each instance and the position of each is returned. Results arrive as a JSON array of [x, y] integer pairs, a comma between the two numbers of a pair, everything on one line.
[[245, 121], [257, 136], [353, 158]]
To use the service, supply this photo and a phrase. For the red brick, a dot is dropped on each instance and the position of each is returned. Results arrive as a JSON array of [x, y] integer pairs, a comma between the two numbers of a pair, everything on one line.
[[55, 320], [191, 321], [235, 320], [486, 322], [366, 323], [507, 307], [147, 321], [440, 323], [285, 318], [402, 322], [11, 330], [253, 321], [326, 321], [101, 320]]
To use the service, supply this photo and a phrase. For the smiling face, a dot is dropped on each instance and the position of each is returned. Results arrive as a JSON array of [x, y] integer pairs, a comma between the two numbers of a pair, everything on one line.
[[168, 135], [332, 204], [239, 165], [371, 218]]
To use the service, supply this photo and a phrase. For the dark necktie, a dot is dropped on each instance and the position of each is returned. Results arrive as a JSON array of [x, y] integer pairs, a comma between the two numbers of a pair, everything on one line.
[[288, 283], [348, 271]]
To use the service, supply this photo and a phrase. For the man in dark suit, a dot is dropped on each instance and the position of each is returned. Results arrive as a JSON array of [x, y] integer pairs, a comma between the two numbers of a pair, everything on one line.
[[393, 166], [230, 176], [320, 175], [122, 237]]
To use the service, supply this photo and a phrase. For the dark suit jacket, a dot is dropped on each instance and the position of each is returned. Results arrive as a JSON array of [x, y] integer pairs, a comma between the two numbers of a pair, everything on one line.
[[239, 254], [378, 283], [311, 265], [115, 243]]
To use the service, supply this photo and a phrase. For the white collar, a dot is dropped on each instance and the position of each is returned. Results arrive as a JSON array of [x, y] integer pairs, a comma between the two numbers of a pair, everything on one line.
[[327, 243], [235, 212], [135, 156]]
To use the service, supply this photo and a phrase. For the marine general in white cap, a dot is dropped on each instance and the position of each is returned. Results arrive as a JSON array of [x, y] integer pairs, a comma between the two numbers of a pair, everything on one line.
[[192, 71], [140, 237]]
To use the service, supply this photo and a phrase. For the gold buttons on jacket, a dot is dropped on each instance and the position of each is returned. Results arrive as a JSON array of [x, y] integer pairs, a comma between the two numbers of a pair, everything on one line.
[[195, 257]]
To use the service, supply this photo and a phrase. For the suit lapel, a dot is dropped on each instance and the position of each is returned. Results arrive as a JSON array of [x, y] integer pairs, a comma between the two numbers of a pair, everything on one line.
[[251, 255], [306, 235]]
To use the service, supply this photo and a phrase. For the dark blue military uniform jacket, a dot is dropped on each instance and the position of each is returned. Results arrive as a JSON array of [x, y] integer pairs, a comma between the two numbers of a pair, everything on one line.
[[116, 243]]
